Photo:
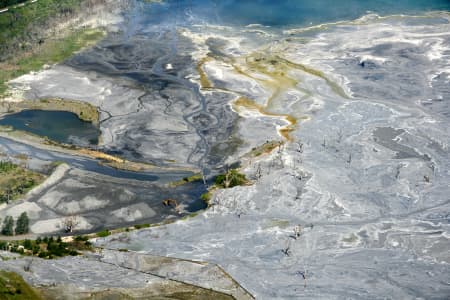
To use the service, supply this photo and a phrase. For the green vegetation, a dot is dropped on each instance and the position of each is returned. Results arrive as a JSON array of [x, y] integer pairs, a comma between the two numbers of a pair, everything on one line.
[[191, 215], [48, 53], [103, 233], [206, 197], [16, 181], [140, 226], [8, 226], [22, 25], [13, 287], [5, 3], [19, 36], [267, 147], [193, 178], [198, 293], [7, 166], [21, 156], [230, 179], [81, 238], [48, 247], [85, 111], [22, 224]]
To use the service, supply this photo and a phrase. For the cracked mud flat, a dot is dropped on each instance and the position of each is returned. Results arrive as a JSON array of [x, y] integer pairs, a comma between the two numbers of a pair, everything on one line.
[[364, 108]]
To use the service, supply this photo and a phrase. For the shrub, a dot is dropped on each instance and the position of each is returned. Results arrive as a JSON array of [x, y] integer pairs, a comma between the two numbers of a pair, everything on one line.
[[6, 166], [206, 197], [28, 244], [139, 226], [230, 179], [81, 238], [103, 233], [3, 245], [43, 254]]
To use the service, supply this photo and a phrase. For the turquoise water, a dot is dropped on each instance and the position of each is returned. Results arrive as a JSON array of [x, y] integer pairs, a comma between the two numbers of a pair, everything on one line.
[[59, 126], [281, 12]]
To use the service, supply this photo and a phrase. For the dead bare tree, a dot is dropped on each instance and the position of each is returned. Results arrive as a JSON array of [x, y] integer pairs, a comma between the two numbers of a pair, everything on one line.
[[258, 172], [227, 180], [300, 148], [340, 135], [297, 231], [303, 275], [204, 178], [432, 167], [70, 223], [397, 171], [287, 249], [215, 201], [173, 203], [280, 147]]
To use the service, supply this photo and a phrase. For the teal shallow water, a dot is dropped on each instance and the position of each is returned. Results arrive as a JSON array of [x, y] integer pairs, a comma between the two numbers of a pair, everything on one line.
[[279, 12], [59, 126]]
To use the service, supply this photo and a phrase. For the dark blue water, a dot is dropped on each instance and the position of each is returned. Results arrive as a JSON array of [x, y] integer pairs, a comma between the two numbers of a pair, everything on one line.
[[59, 126], [279, 12]]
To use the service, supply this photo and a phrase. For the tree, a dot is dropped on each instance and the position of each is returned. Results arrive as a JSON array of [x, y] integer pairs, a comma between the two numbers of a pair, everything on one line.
[[22, 225], [8, 226], [28, 244]]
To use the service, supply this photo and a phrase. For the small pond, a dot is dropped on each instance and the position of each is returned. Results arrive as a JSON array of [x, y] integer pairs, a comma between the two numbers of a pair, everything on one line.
[[59, 126]]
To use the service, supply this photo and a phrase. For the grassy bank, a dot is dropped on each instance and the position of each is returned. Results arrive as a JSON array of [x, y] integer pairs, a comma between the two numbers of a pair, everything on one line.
[[48, 247], [83, 110], [193, 178], [265, 148], [13, 287], [50, 52], [24, 26], [16, 181]]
